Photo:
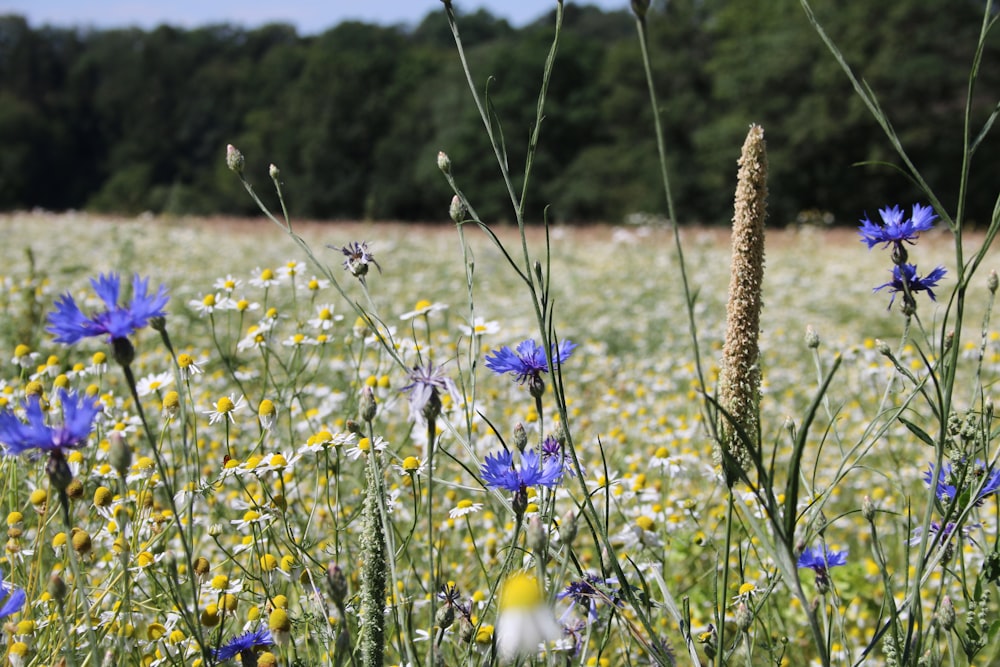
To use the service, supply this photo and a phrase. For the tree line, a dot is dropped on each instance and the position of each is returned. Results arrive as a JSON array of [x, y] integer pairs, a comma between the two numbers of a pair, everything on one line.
[[130, 120]]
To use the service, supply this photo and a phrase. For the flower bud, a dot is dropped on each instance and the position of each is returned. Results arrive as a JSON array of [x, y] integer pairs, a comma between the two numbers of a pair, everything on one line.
[[867, 509], [537, 538], [216, 529], [991, 282], [520, 437], [457, 209], [57, 588], [639, 8], [744, 617], [234, 159], [883, 348], [367, 407], [812, 338], [444, 162], [119, 453], [567, 528], [946, 614], [338, 584], [445, 616], [273, 172]]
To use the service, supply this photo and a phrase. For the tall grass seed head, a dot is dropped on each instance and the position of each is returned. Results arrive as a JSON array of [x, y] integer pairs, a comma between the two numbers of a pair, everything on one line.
[[740, 377]]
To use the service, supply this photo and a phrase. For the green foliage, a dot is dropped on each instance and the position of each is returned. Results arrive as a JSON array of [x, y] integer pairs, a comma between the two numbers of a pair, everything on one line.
[[355, 116]]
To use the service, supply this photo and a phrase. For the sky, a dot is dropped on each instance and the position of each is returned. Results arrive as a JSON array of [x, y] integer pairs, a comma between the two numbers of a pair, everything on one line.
[[308, 16]]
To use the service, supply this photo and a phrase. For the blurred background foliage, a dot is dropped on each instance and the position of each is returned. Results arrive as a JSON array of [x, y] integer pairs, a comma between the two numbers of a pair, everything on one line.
[[128, 121]]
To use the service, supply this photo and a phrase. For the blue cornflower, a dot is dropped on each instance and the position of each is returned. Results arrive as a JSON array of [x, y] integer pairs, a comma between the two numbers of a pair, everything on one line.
[[245, 643], [896, 230], [528, 363], [906, 274], [500, 472], [78, 414], [118, 321], [821, 559], [13, 598], [945, 489]]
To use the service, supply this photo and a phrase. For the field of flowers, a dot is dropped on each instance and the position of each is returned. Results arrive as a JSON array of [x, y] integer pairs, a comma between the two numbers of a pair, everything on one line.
[[273, 443], [239, 526]]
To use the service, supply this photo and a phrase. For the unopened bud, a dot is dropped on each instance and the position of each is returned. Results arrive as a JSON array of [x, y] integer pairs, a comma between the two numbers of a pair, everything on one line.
[[946, 614], [639, 8], [457, 210], [57, 588], [444, 162], [338, 584], [520, 437], [991, 282], [537, 538], [519, 503], [812, 338], [867, 509], [234, 159], [744, 617], [567, 528], [119, 453], [367, 407], [883, 348], [273, 172], [215, 530], [949, 340], [445, 616]]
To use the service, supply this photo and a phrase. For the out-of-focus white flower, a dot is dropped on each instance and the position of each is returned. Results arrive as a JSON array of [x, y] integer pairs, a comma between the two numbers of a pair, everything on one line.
[[525, 620]]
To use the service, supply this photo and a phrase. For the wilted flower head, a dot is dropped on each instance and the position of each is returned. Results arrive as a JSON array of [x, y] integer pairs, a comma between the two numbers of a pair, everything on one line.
[[117, 320], [425, 388], [905, 279], [358, 258]]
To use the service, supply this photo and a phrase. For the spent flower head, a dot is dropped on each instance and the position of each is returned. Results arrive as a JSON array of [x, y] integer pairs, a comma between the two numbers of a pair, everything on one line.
[[425, 389], [358, 258]]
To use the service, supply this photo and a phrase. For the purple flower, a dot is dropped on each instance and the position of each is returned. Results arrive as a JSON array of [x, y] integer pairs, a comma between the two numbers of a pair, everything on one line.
[[821, 559], [78, 414], [245, 643], [13, 598], [895, 230], [585, 594], [499, 471], [906, 274], [358, 258], [946, 490], [528, 362], [118, 321]]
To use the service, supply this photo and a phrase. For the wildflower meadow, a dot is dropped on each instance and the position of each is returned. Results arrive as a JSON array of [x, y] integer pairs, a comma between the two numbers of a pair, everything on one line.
[[272, 442]]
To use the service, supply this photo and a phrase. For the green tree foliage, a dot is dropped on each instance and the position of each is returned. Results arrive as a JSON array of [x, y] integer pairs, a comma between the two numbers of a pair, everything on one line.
[[131, 120]]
